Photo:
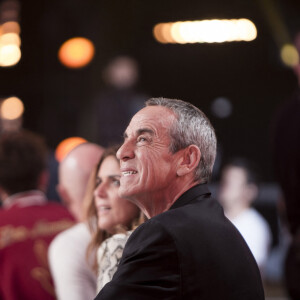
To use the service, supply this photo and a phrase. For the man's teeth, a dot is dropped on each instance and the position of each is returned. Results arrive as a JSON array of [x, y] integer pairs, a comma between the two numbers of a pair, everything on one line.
[[127, 173]]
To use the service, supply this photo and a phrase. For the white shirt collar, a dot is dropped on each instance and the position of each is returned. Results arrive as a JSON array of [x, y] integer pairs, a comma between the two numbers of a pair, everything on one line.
[[23, 199]]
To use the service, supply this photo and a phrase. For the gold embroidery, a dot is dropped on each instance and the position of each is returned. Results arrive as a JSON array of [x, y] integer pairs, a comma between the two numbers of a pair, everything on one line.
[[42, 274], [43, 228], [10, 234]]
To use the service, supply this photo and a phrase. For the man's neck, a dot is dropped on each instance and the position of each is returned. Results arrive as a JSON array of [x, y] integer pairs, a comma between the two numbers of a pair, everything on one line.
[[155, 204]]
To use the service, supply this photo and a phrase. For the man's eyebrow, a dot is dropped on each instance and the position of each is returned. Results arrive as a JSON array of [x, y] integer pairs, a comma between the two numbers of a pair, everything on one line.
[[139, 132], [144, 130]]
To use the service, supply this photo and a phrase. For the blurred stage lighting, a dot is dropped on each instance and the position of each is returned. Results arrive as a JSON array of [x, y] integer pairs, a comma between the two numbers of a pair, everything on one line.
[[12, 108], [10, 39], [65, 146], [289, 55], [76, 52], [10, 27], [206, 31], [10, 55]]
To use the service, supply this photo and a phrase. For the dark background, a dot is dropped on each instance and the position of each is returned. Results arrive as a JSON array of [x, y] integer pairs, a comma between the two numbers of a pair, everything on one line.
[[251, 75]]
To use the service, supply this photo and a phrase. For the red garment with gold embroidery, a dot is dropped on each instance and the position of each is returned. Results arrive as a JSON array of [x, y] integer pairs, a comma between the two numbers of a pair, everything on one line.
[[28, 223]]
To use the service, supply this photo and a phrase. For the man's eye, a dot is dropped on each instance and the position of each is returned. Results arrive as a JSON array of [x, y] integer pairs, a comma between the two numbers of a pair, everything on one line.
[[142, 139]]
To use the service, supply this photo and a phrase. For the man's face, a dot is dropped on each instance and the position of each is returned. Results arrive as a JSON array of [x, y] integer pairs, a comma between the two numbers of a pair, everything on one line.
[[148, 167]]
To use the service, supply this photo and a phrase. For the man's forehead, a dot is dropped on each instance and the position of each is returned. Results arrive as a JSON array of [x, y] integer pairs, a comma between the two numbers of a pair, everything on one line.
[[151, 117]]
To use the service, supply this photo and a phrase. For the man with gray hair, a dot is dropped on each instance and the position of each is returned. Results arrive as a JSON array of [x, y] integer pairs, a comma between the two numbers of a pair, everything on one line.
[[187, 249]]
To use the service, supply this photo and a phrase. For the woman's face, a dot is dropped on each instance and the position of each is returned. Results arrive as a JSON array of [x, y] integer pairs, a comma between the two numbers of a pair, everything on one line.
[[111, 209]]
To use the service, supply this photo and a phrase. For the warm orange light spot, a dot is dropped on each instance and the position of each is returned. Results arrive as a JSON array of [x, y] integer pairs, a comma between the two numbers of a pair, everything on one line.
[[76, 52], [166, 33], [205, 31], [176, 34], [12, 108], [157, 32], [10, 39], [9, 55], [66, 146], [11, 27]]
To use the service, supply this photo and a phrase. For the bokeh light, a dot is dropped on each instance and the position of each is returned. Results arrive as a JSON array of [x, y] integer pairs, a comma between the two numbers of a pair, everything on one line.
[[12, 108], [157, 32], [167, 33], [221, 107], [289, 55], [176, 34], [10, 39], [10, 27], [76, 52], [206, 31], [65, 146], [9, 55]]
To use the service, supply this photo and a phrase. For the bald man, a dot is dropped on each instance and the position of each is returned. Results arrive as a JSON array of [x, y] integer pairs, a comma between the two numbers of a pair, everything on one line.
[[72, 274], [73, 175]]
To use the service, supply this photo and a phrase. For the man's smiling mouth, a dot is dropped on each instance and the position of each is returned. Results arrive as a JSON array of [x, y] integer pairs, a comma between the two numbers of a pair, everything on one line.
[[127, 173]]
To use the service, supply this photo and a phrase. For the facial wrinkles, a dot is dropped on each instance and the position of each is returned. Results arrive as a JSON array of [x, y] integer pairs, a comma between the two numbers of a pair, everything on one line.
[[152, 158], [157, 144], [158, 151]]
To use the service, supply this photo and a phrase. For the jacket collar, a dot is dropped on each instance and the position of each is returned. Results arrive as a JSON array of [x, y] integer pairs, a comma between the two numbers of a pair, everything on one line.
[[194, 192]]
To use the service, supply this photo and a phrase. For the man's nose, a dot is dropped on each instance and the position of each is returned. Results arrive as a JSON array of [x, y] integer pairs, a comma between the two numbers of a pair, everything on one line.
[[126, 151]]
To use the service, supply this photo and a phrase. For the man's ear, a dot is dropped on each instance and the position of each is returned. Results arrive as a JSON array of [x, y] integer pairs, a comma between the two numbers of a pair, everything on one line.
[[189, 160]]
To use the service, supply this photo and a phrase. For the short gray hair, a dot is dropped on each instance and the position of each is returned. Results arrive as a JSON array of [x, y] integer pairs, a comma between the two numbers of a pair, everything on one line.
[[192, 128]]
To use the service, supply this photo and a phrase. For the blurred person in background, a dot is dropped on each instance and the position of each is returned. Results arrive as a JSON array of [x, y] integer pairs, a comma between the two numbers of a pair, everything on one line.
[[73, 175], [28, 222], [73, 277], [116, 103], [111, 218], [238, 190]]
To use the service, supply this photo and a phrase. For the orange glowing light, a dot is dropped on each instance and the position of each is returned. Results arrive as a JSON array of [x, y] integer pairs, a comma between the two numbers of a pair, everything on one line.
[[11, 27], [9, 55], [157, 32], [12, 108], [166, 33], [66, 146], [205, 31], [76, 52], [10, 39]]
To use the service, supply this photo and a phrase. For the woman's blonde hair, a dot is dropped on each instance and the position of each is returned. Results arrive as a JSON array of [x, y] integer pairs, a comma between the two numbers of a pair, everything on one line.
[[91, 216]]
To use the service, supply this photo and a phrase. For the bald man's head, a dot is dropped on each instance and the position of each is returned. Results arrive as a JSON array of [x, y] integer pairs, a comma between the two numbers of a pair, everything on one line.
[[73, 175]]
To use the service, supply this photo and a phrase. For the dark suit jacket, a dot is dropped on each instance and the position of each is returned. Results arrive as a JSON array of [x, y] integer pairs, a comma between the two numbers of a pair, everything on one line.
[[190, 252]]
